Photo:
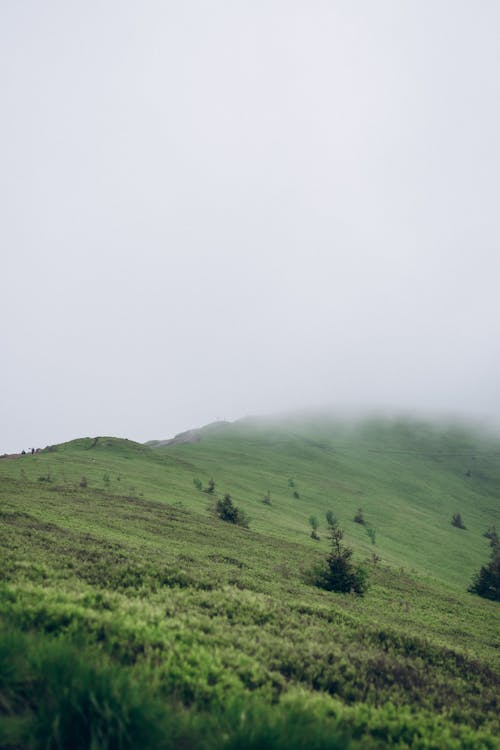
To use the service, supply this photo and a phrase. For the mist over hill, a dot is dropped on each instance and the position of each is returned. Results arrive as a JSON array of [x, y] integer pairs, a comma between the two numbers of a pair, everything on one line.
[[216, 209], [408, 475], [118, 568]]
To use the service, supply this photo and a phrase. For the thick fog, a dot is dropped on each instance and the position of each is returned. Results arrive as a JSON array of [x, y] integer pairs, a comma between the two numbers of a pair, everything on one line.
[[213, 209]]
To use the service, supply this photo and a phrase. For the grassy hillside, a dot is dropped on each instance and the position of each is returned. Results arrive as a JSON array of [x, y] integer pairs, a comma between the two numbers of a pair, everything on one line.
[[114, 568], [409, 478]]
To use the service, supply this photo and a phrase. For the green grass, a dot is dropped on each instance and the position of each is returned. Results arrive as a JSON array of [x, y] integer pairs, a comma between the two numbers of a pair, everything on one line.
[[212, 635]]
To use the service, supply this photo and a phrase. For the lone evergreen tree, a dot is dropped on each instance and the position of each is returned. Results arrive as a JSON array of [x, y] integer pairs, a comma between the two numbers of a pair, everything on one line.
[[486, 583], [457, 521], [227, 511], [341, 574]]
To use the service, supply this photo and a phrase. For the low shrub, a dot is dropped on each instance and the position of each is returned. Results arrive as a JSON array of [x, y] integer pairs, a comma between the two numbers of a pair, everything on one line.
[[457, 521], [226, 510], [330, 518], [359, 518], [371, 533]]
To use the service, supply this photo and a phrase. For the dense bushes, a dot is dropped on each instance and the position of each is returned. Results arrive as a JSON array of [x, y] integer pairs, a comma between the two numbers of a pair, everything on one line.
[[54, 696], [219, 627]]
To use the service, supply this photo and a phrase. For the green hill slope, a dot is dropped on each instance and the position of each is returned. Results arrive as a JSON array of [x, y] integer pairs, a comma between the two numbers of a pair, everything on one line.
[[109, 545], [409, 479]]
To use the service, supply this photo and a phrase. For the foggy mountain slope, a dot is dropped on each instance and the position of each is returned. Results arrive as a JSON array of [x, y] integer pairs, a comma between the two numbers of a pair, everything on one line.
[[409, 477], [114, 546], [212, 210]]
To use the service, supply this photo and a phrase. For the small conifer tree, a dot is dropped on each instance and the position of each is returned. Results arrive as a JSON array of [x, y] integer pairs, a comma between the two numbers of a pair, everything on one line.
[[486, 583], [341, 573], [227, 511], [457, 521]]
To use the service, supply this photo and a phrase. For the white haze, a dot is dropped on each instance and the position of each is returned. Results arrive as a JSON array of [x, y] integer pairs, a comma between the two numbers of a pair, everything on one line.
[[212, 209]]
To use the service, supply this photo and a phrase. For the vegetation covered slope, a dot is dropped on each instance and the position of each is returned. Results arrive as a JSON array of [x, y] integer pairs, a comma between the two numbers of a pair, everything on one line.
[[409, 478], [212, 635]]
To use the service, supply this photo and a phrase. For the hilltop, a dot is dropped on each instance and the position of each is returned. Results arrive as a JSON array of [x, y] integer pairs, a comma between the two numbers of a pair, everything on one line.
[[113, 546]]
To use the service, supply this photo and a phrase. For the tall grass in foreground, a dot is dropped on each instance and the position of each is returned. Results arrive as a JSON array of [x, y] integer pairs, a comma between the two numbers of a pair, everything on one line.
[[54, 696]]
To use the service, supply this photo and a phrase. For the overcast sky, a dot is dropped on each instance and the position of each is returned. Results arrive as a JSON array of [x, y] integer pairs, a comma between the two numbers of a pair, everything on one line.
[[214, 209]]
